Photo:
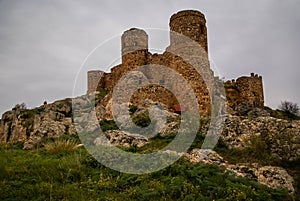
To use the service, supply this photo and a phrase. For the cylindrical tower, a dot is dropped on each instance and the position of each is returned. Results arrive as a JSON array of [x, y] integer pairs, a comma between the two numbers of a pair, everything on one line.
[[133, 41], [189, 23]]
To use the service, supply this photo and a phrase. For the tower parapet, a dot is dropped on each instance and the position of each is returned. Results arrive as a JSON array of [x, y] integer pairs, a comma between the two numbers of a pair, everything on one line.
[[191, 24], [246, 92], [251, 90]]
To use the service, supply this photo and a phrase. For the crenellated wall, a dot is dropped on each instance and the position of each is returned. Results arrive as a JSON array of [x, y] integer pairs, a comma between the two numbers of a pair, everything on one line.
[[246, 91]]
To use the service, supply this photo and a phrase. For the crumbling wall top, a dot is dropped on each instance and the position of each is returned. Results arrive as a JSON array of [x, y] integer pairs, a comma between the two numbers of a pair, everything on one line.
[[185, 13]]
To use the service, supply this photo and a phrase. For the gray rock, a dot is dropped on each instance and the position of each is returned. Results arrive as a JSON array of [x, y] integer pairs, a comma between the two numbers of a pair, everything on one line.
[[206, 156], [273, 177], [121, 138]]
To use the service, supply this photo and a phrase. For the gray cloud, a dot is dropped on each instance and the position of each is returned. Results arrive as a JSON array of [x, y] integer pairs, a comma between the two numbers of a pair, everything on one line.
[[43, 43]]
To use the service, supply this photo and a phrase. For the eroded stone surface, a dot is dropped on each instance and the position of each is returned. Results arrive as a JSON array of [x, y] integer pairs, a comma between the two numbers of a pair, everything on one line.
[[271, 176], [121, 138]]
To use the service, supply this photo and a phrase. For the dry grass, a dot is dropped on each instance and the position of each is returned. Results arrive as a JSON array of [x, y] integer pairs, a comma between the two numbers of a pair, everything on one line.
[[61, 146]]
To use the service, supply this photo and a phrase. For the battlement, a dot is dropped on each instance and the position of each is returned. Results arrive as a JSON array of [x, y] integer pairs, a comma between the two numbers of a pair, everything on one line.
[[245, 91], [191, 24], [185, 13]]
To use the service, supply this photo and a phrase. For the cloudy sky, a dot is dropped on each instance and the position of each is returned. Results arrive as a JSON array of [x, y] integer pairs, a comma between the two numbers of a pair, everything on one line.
[[44, 43]]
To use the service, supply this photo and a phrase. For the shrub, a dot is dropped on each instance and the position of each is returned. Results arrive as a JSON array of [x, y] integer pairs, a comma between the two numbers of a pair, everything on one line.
[[132, 109], [61, 146], [142, 120], [108, 125], [21, 106], [280, 114], [289, 108], [5, 145], [99, 96]]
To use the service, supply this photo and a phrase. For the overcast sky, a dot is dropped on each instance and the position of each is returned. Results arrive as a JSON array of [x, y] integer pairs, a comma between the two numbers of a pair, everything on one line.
[[44, 43]]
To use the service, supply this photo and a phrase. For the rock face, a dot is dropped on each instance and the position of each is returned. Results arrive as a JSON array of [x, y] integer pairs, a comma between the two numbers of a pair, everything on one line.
[[168, 122], [121, 138], [282, 137], [32, 126], [274, 177], [206, 156]]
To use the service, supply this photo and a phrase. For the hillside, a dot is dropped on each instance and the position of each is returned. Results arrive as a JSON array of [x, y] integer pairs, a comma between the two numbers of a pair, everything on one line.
[[262, 149]]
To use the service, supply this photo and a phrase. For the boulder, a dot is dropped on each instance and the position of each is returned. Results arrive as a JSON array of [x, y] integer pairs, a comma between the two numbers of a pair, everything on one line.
[[271, 176], [206, 156], [121, 138]]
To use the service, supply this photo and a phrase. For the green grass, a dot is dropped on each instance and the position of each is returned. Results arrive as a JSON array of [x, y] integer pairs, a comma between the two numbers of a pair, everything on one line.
[[279, 114], [76, 175], [108, 125], [157, 143]]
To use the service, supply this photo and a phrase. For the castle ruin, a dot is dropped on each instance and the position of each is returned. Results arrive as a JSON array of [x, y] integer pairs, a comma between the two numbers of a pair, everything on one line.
[[244, 92]]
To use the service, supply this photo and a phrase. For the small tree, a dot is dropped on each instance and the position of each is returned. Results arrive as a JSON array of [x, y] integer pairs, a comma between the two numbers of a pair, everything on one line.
[[21, 106], [289, 107]]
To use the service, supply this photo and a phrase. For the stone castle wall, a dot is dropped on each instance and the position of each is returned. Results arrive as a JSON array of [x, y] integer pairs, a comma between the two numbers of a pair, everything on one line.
[[94, 77], [245, 92], [183, 56]]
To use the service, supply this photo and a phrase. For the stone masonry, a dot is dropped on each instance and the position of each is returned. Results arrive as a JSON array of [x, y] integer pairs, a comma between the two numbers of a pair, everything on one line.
[[187, 28]]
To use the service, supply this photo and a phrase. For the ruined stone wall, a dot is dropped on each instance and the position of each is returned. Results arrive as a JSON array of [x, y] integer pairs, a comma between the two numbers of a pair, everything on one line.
[[132, 61], [186, 58], [182, 57], [134, 51], [156, 93], [232, 93], [251, 90], [94, 78], [245, 91]]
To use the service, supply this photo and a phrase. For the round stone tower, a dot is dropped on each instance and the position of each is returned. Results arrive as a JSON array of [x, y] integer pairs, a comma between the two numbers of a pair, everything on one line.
[[134, 41], [189, 23]]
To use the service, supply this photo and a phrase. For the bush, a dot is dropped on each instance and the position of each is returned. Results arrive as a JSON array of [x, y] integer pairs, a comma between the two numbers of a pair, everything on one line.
[[61, 146], [142, 120], [108, 125], [289, 107], [132, 109], [99, 96], [280, 114], [21, 106]]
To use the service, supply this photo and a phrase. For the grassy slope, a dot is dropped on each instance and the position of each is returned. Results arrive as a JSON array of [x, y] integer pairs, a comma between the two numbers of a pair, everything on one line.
[[75, 175]]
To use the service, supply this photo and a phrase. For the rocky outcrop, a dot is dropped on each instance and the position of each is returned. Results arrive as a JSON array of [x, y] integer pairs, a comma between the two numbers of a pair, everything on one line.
[[206, 156], [121, 138], [33, 126], [274, 177], [168, 122], [282, 137]]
